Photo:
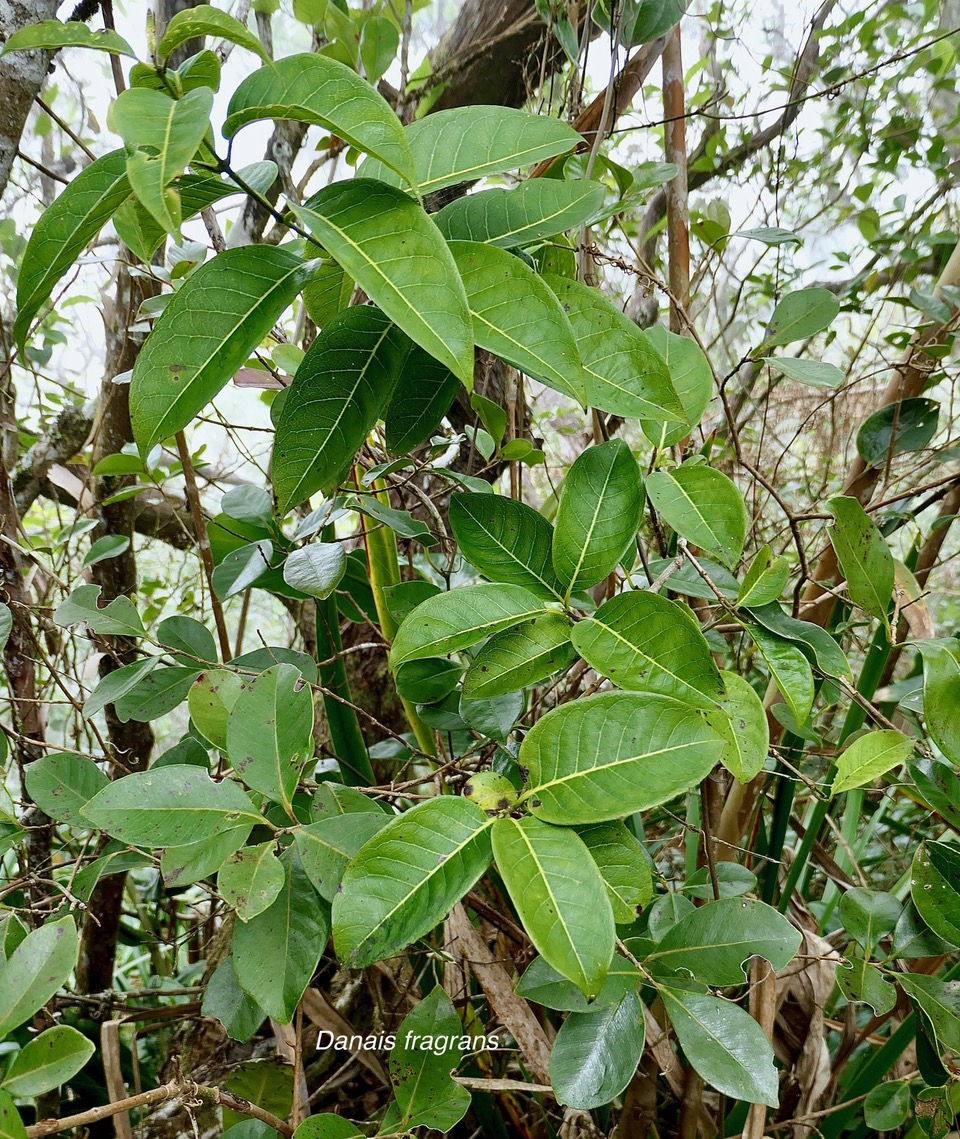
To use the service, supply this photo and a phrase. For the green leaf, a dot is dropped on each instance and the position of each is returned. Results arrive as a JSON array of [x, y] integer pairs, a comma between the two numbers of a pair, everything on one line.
[[276, 953], [543, 985], [118, 683], [162, 136], [270, 733], [715, 941], [118, 618], [724, 1044], [935, 888], [65, 228], [424, 391], [395, 253], [157, 694], [6, 624], [465, 144], [191, 641], [250, 879], [109, 546], [11, 1125], [864, 557], [47, 1061], [427, 681], [622, 371], [596, 1053], [518, 318], [643, 642], [407, 877], [316, 569], [560, 897], [800, 315], [266, 1082], [35, 970], [601, 504], [868, 914], [744, 727], [205, 334], [870, 756], [61, 785], [703, 506], [813, 373], [521, 656], [541, 207], [691, 378], [379, 44], [493, 717], [338, 393], [909, 425], [639, 21], [426, 1095], [941, 693], [49, 35], [940, 1000], [184, 865], [313, 88], [327, 1126], [172, 806], [506, 541], [223, 999], [460, 618], [210, 700], [609, 755], [242, 568], [623, 866], [823, 649], [764, 580], [862, 982], [887, 1105], [325, 847], [205, 20]]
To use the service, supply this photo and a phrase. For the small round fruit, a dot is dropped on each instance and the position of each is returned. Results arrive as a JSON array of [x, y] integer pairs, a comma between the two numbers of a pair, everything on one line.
[[491, 791]]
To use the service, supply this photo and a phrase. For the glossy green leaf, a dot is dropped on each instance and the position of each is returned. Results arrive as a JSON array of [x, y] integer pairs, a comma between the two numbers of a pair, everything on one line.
[[49, 35], [601, 503], [172, 806], [870, 756], [887, 1105], [47, 1061], [395, 253], [543, 985], [935, 888], [521, 656], [714, 942], [236, 1010], [518, 318], [65, 229], [743, 724], [162, 136], [426, 1094], [609, 755], [724, 1044], [868, 914], [35, 970], [645, 643], [117, 618], [11, 1125], [941, 693], [270, 733], [596, 1053], [424, 391], [250, 879], [862, 982], [210, 699], [703, 506], [800, 315], [560, 897], [623, 867], [864, 557], [157, 694], [325, 847], [316, 569], [61, 784], [506, 540], [407, 877], [639, 21], [622, 371], [184, 865], [118, 683], [541, 207], [908, 425], [460, 618], [764, 580], [276, 953], [206, 333], [820, 646], [312, 88], [691, 378], [205, 20], [327, 1126], [940, 1000], [467, 143]]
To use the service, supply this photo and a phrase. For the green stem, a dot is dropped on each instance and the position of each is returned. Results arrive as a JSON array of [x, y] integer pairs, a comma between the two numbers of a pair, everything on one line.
[[345, 735], [383, 568]]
